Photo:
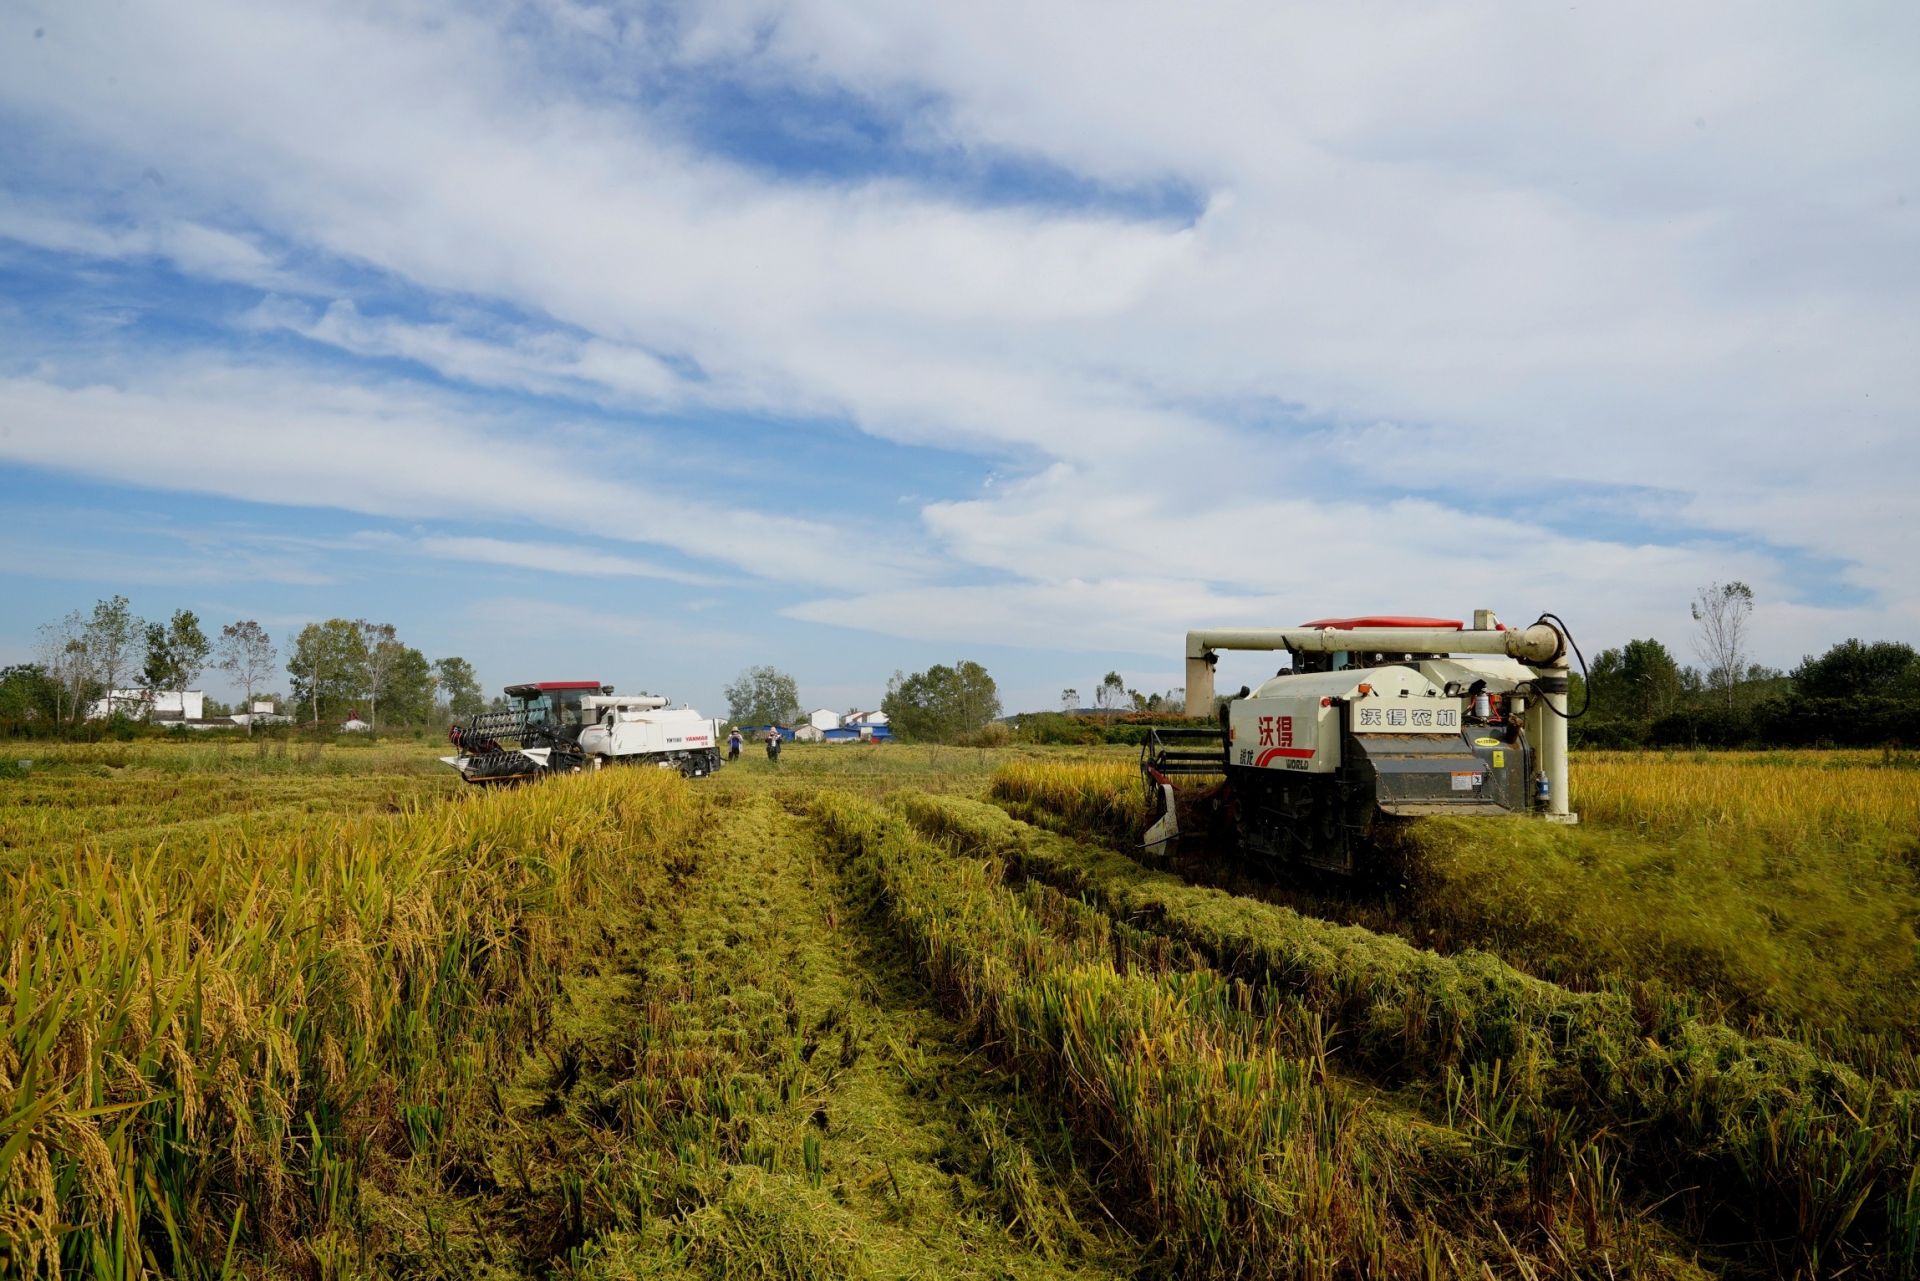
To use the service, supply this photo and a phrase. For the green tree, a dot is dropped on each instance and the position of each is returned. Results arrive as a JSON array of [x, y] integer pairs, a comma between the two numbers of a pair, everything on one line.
[[459, 687], [110, 635], [1069, 699], [1641, 681], [30, 698], [379, 649], [326, 667], [177, 652], [763, 696], [1111, 693], [1853, 669], [407, 686], [245, 653], [942, 703]]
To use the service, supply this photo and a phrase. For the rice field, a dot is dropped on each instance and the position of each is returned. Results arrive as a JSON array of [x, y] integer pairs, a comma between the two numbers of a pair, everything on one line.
[[295, 1011]]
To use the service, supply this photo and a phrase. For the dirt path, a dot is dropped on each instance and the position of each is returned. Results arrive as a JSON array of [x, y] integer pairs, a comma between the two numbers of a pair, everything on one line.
[[754, 1085]]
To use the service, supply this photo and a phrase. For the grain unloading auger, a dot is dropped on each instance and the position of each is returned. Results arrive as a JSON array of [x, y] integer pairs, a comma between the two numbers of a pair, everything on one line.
[[1377, 716], [562, 727]]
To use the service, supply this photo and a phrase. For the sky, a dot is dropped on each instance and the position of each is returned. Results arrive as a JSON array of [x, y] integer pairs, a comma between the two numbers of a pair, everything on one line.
[[646, 342]]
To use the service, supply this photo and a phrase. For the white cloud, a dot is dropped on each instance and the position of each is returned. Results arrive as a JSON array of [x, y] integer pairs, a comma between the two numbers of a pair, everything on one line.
[[276, 435], [1467, 251]]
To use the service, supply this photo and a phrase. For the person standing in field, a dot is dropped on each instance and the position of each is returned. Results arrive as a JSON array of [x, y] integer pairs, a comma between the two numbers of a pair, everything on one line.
[[773, 744], [733, 744]]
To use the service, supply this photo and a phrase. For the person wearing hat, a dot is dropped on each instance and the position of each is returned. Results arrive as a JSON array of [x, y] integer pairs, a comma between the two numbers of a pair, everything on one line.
[[773, 744], [733, 744]]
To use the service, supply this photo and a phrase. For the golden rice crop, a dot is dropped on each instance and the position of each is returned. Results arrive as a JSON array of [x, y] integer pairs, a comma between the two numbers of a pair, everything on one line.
[[202, 1045]]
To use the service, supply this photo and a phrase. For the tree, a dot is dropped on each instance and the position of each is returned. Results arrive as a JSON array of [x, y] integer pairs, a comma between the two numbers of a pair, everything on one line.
[[1639, 682], [1112, 692], [245, 654], [1853, 669], [406, 686], [763, 696], [326, 666], [176, 653], [1722, 611], [380, 648], [66, 661], [1069, 699], [459, 687], [942, 703], [110, 635], [29, 698]]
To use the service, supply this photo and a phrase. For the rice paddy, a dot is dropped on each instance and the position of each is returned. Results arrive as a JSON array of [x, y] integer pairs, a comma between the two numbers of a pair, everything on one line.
[[297, 1011]]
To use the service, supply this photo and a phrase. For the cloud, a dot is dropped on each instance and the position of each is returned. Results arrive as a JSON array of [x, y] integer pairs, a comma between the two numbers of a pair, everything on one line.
[[277, 435], [556, 558], [1456, 282], [542, 361]]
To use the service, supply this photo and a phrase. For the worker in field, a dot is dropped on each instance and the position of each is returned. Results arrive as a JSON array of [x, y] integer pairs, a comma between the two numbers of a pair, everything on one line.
[[773, 744], [733, 745]]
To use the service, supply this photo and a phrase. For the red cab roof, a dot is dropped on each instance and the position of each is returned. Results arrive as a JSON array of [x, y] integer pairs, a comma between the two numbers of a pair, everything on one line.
[[1386, 620], [595, 686]]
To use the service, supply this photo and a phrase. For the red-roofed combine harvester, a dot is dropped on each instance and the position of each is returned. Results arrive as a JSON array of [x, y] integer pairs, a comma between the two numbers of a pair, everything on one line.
[[1381, 716], [563, 727]]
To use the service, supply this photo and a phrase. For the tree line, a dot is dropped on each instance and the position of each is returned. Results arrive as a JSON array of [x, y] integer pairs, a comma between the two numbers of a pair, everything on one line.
[[944, 704], [336, 668], [1856, 694]]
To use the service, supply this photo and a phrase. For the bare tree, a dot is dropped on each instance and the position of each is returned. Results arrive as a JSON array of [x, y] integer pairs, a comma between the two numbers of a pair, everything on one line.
[[1069, 699], [1722, 611], [62, 652], [1111, 693], [245, 653]]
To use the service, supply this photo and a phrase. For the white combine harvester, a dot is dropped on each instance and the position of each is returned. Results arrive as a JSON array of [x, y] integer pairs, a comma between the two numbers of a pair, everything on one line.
[[1379, 717], [563, 727]]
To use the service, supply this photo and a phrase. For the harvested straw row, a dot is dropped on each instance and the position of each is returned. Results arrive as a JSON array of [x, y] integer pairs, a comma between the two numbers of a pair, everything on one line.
[[1211, 1108], [1813, 1158]]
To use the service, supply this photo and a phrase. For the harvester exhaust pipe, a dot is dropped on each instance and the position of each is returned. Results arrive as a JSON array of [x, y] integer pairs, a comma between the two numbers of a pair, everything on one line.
[[1541, 646]]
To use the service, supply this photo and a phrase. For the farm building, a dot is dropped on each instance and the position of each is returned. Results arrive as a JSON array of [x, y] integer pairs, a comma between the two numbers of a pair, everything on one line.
[[151, 705]]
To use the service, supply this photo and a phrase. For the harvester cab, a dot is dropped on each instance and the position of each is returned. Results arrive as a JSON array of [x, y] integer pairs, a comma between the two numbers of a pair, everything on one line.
[[1377, 717], [560, 727]]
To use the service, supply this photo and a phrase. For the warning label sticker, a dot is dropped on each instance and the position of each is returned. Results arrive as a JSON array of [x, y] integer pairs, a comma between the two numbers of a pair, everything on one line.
[[1467, 782]]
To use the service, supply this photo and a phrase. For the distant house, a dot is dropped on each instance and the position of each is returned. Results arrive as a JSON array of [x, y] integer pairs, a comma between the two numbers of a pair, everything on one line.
[[852, 719], [823, 719], [261, 712], [151, 705]]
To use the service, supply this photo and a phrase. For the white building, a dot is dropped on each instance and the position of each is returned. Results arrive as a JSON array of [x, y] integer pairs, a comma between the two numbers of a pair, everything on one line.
[[853, 720], [152, 704], [823, 719]]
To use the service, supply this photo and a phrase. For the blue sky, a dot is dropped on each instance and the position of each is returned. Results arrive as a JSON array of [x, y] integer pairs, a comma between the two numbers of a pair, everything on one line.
[[647, 342]]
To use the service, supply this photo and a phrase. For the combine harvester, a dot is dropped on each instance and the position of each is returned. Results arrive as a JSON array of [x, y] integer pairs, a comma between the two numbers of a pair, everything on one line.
[[1376, 717], [563, 727]]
